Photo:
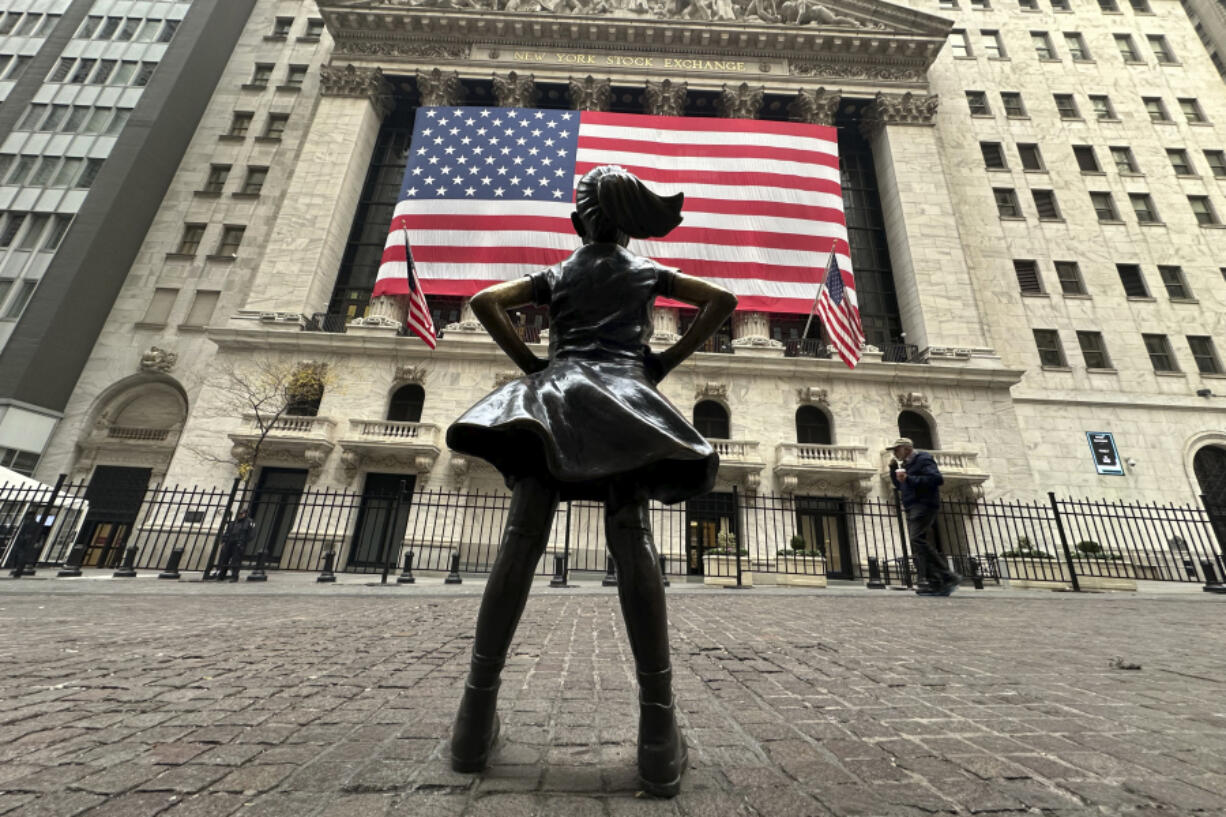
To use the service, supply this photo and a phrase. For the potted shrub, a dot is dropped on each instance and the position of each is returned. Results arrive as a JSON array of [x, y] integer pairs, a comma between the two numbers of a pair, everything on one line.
[[1028, 567], [1100, 569], [719, 562], [800, 565]]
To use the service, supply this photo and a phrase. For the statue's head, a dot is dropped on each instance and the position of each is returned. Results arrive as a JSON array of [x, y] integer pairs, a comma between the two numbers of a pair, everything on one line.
[[613, 206]]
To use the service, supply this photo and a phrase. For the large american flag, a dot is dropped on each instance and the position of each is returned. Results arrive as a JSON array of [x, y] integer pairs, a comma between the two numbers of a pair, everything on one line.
[[836, 306], [488, 193]]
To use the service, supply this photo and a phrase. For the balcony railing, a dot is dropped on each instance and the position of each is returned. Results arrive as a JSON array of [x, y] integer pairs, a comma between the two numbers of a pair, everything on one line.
[[292, 426], [136, 433], [395, 431], [808, 347], [736, 450], [900, 353], [818, 456]]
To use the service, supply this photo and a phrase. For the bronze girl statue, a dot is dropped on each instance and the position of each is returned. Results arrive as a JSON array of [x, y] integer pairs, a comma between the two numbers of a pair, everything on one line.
[[588, 423]]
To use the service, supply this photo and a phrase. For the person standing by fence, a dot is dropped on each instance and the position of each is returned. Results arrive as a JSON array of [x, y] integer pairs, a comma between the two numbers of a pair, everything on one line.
[[25, 545], [234, 543], [918, 480]]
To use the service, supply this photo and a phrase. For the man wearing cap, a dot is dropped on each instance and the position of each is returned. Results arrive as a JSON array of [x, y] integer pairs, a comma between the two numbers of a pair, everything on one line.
[[917, 478]]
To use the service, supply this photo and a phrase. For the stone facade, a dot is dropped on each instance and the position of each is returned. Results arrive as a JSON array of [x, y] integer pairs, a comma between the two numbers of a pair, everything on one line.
[[1018, 428]]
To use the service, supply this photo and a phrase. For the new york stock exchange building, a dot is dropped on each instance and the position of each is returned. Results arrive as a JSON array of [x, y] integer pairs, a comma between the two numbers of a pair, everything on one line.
[[1034, 198]]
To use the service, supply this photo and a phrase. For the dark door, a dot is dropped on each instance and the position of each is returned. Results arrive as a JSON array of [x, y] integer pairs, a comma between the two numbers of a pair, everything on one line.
[[376, 526], [274, 506], [115, 494], [822, 523], [1210, 467], [706, 517]]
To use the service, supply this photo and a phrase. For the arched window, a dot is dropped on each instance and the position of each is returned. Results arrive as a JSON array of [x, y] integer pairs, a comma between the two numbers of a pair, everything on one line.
[[406, 404], [914, 425], [813, 426], [711, 420]]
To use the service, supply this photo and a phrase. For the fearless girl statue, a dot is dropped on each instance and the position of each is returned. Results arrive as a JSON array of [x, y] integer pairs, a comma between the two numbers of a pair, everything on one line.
[[589, 423]]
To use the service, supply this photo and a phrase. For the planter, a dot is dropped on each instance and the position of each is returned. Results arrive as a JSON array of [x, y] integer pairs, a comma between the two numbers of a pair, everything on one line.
[[801, 571], [721, 571], [1052, 574]]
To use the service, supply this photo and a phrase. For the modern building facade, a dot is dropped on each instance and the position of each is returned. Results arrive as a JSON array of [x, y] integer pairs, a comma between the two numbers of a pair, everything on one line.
[[1035, 203]]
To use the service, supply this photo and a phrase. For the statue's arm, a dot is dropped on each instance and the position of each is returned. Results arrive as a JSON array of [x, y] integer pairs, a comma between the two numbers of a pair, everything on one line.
[[714, 304], [490, 305]]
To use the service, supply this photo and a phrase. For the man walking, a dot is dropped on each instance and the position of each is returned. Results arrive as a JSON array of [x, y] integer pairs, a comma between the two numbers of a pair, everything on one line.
[[234, 543], [917, 478]]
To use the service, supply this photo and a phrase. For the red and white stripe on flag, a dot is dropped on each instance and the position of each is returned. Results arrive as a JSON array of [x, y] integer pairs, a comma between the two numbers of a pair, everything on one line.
[[840, 313], [418, 318], [488, 193]]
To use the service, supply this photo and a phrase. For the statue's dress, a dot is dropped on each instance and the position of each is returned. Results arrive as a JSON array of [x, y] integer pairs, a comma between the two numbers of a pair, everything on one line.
[[592, 417]]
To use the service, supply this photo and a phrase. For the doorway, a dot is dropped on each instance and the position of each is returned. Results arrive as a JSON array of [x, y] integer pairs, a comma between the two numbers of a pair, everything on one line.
[[273, 508], [822, 523], [115, 495], [376, 525], [706, 517]]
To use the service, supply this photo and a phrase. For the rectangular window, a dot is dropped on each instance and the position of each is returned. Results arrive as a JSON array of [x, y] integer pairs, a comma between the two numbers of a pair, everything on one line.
[[118, 121], [18, 67], [1160, 354], [1102, 106], [103, 74], [231, 238], [1128, 49], [216, 181], [81, 73], [1042, 45], [1205, 355], [977, 101], [1093, 350], [34, 231], [1076, 45], [46, 169], [1059, 5], [255, 180], [993, 45], [1143, 206], [12, 224], [54, 117], [315, 26], [28, 24], [1051, 351], [1028, 277], [193, 234], [124, 73], [1066, 106], [1133, 280], [168, 31], [1069, 275], [88, 27], [1012, 100], [68, 172], [202, 307], [1086, 160], [993, 155], [34, 115], [1156, 109], [159, 307], [281, 27], [959, 43], [240, 124], [1006, 202], [276, 125], [1180, 162], [1028, 5], [1192, 110], [61, 70], [1045, 203], [1216, 160], [109, 28], [92, 168], [295, 76], [149, 31], [1124, 161], [128, 30], [262, 73], [1140, 6], [1176, 285], [18, 304], [144, 74], [982, 5], [6, 162], [1162, 49], [59, 226], [1203, 210], [21, 169], [6, 286]]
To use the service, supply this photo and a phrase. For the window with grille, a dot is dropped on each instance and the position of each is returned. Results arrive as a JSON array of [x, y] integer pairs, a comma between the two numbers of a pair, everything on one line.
[[1006, 202], [231, 238], [1160, 354], [1133, 280], [1205, 355], [276, 125], [959, 43], [216, 181], [1102, 106], [1028, 277], [1087, 161], [1216, 160], [1124, 161], [1143, 207], [1042, 45], [1066, 106], [1093, 350], [1051, 351], [1162, 49], [993, 155], [1069, 275], [281, 27], [262, 73], [1180, 162], [255, 180], [1192, 110], [1128, 48], [1076, 45], [1030, 156], [1156, 109], [190, 242], [1104, 206], [1045, 203], [240, 124], [1203, 210], [977, 101], [1176, 285], [993, 45], [1012, 101]]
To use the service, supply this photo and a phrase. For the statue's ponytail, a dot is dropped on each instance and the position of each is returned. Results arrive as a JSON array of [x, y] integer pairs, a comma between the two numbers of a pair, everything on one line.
[[611, 199]]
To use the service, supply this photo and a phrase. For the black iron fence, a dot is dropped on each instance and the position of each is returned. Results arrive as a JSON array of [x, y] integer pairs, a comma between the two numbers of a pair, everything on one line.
[[721, 537]]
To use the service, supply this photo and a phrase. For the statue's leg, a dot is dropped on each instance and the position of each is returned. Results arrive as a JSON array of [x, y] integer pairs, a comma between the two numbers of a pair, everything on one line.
[[523, 541], [662, 755]]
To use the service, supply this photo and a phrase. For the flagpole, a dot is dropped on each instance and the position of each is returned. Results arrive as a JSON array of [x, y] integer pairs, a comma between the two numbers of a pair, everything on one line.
[[805, 334]]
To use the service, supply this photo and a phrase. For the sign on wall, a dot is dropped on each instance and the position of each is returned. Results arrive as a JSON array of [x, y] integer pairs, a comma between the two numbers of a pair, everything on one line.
[[1106, 457]]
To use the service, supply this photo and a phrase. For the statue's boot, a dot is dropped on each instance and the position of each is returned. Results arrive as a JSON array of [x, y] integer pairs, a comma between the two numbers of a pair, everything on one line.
[[662, 753], [476, 723]]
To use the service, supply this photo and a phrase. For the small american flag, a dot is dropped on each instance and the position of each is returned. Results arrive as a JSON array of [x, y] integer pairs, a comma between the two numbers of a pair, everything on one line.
[[419, 321], [836, 306], [488, 193]]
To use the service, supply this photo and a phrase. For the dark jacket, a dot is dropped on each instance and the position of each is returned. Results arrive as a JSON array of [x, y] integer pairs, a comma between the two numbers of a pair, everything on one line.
[[924, 480], [239, 532]]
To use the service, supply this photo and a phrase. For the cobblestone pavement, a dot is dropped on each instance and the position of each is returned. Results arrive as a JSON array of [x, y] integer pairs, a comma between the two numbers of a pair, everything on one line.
[[191, 700]]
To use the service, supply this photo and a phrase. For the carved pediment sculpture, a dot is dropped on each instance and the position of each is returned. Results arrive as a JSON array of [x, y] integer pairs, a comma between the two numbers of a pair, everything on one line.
[[708, 390], [411, 374], [913, 399], [813, 395], [158, 360]]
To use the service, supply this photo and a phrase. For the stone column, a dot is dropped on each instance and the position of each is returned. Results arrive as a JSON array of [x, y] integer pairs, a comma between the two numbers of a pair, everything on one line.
[[741, 102], [815, 107], [515, 91], [665, 98], [935, 294], [440, 88], [590, 94], [305, 247]]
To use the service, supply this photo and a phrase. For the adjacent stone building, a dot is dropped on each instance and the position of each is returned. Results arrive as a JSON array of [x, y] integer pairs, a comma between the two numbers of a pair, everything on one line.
[[1034, 195]]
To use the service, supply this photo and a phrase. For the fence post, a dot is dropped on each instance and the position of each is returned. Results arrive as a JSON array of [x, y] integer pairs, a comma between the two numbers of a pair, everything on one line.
[[976, 572], [610, 573], [1068, 554], [327, 576], [128, 569], [172, 565], [664, 573], [736, 538], [259, 575], [391, 533], [902, 537], [454, 576], [72, 565], [221, 529], [1217, 527], [31, 559], [874, 574], [406, 576], [560, 563]]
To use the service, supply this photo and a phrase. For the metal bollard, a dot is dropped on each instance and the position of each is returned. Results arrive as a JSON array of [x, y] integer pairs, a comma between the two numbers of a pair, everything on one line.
[[559, 572], [127, 570], [610, 573], [664, 573], [327, 576], [885, 574], [1212, 585], [72, 565], [454, 576], [874, 574], [172, 565], [407, 577], [976, 572], [258, 575]]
